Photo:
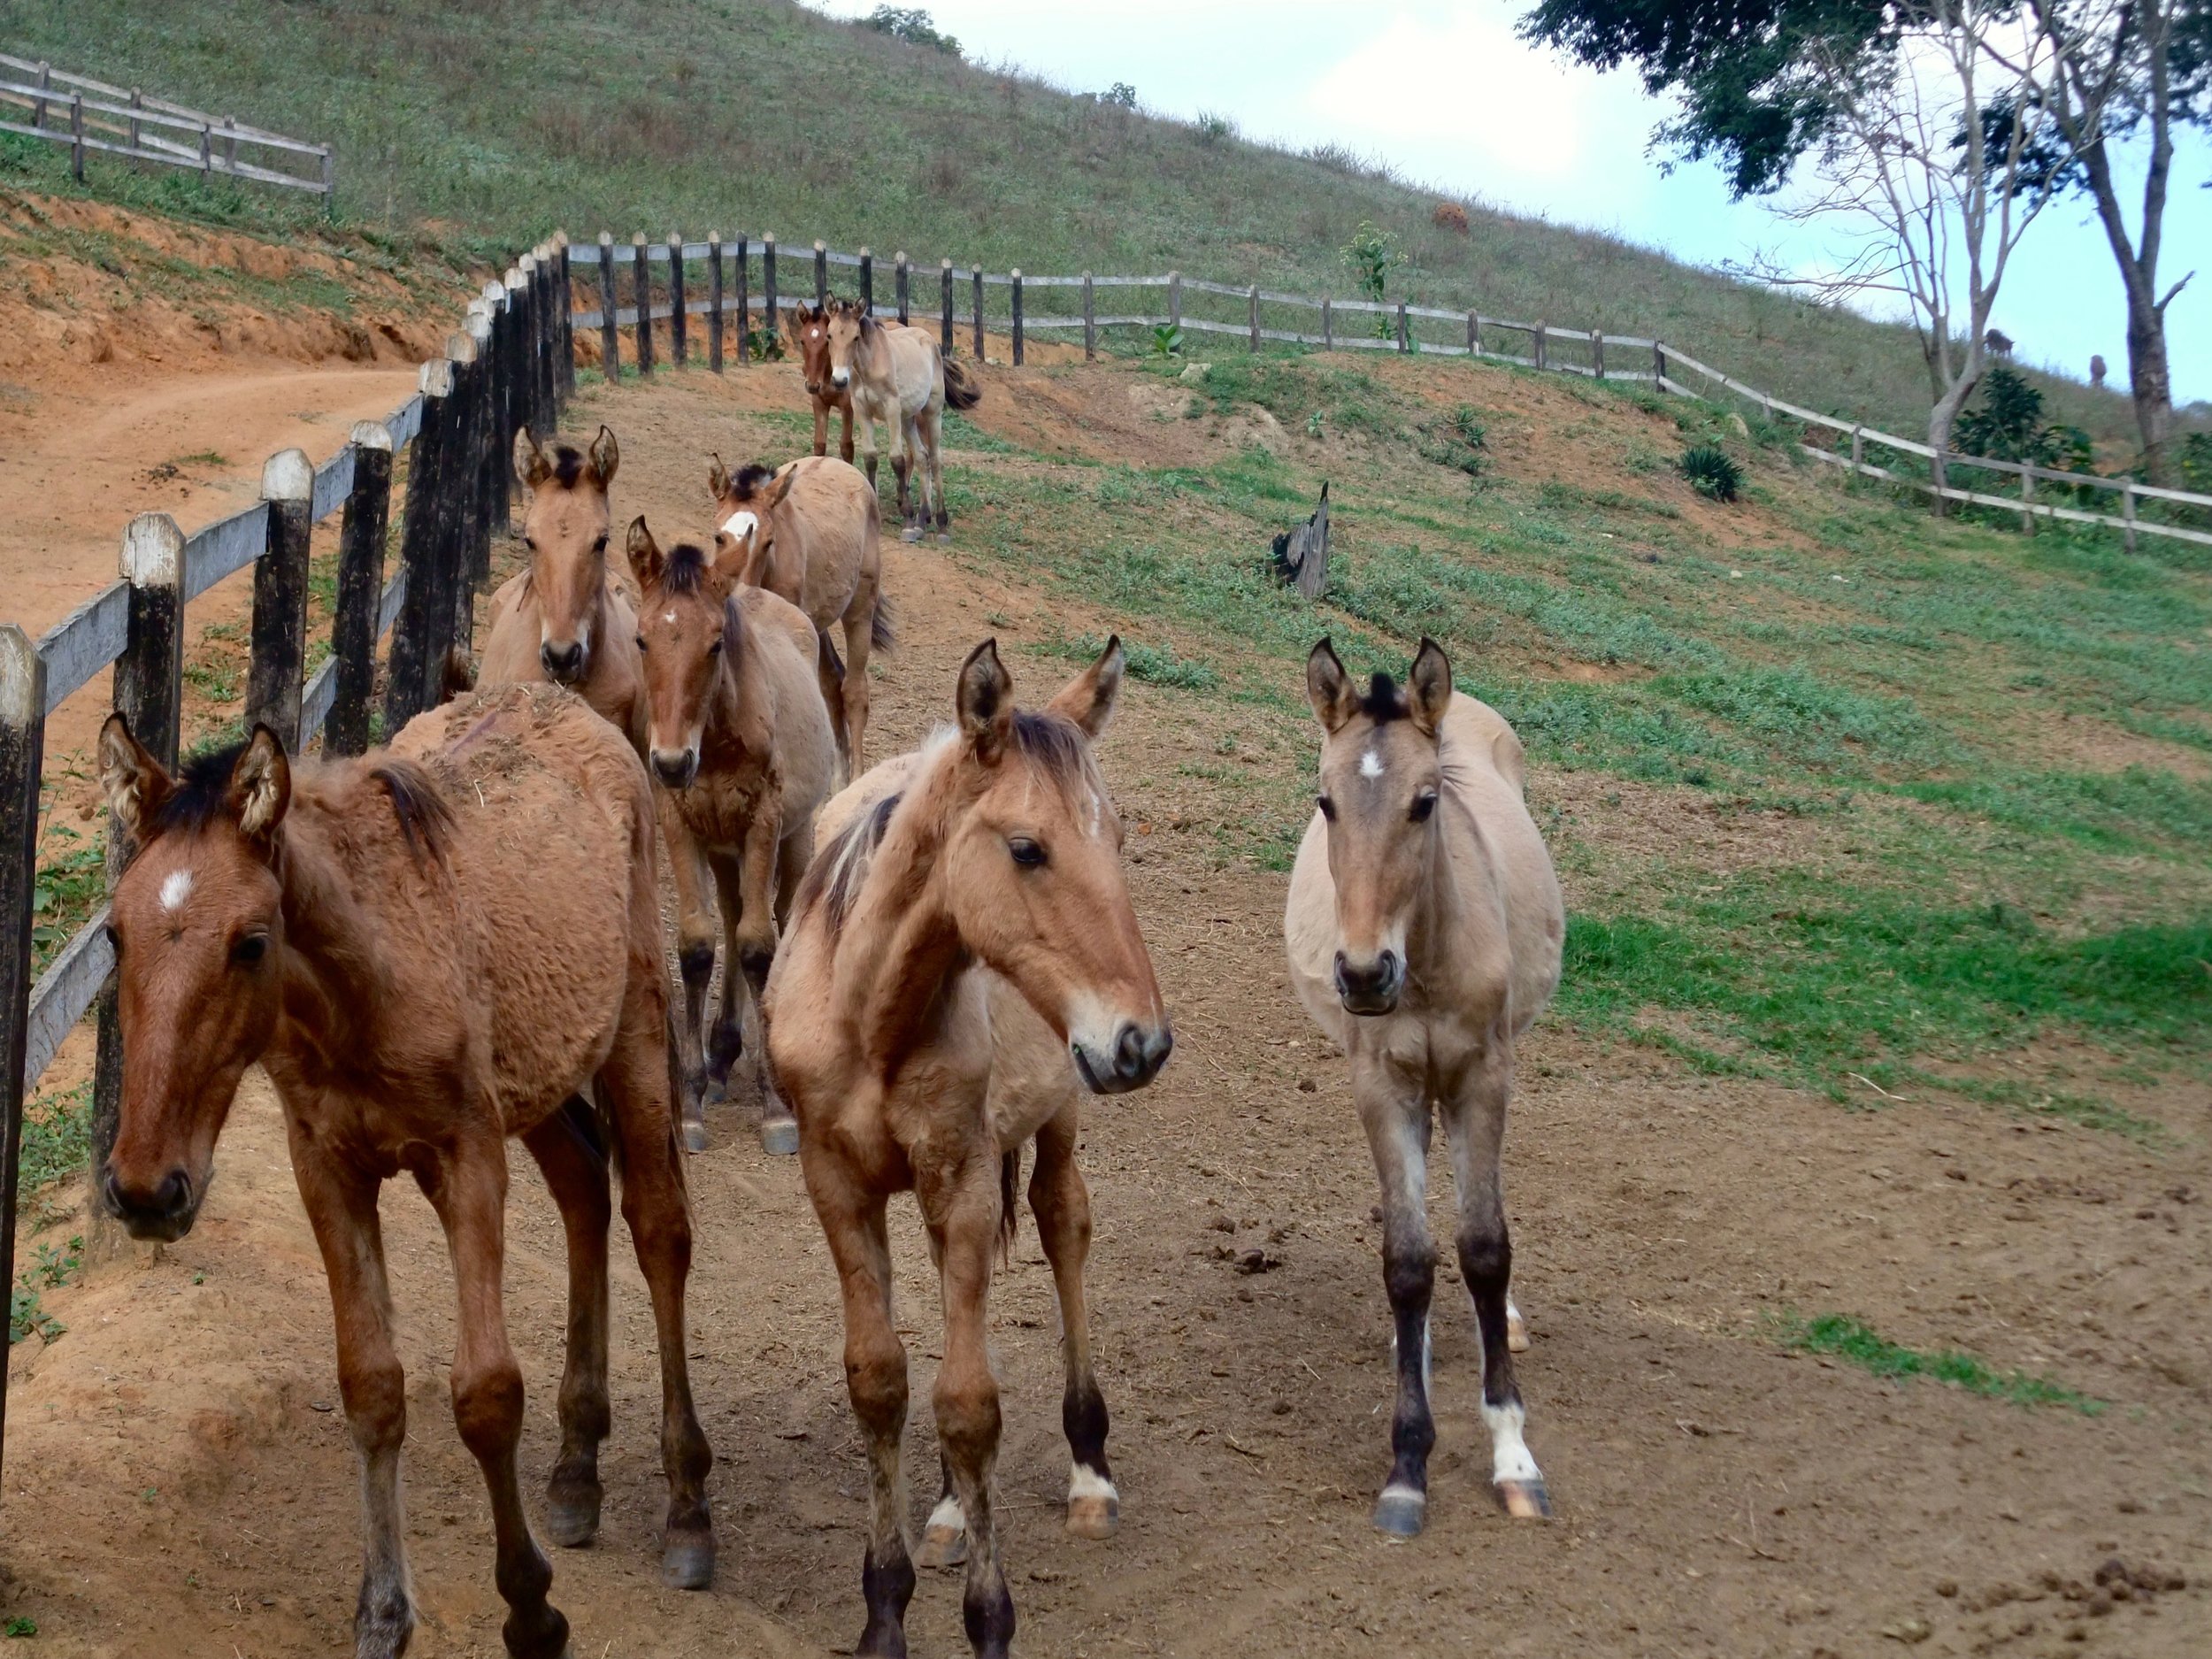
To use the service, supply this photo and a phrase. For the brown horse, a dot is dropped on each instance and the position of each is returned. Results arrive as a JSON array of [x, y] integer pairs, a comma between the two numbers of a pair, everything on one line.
[[898, 378], [429, 948], [977, 877], [809, 326], [741, 742], [1423, 928], [807, 534]]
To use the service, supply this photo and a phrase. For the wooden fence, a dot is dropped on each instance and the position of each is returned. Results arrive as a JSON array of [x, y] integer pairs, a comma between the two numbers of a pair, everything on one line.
[[90, 115], [675, 281], [509, 365]]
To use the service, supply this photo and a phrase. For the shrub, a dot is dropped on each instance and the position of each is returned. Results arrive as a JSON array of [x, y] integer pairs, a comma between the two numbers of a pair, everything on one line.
[[1712, 473], [911, 25], [1213, 128], [1449, 216], [2008, 426], [1167, 341], [1121, 94]]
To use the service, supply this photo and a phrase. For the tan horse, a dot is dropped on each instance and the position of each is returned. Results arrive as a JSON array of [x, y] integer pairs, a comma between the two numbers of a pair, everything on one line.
[[898, 378], [430, 948], [951, 917], [808, 328], [740, 741], [807, 534], [1423, 928]]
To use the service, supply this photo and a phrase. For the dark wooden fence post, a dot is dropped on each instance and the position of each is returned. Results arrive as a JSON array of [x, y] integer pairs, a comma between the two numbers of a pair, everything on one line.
[[500, 348], [821, 274], [419, 530], [76, 148], [1328, 327], [714, 301], [744, 302], [489, 474], [148, 692], [979, 313], [360, 590], [1175, 299], [771, 324], [38, 105], [1405, 336], [1015, 290], [1597, 353], [867, 281], [564, 326], [474, 422], [1659, 370], [543, 332], [1253, 318], [1538, 334], [2127, 511], [610, 339], [677, 322], [945, 271], [1090, 322], [22, 751], [641, 279], [280, 597], [1474, 333], [901, 281]]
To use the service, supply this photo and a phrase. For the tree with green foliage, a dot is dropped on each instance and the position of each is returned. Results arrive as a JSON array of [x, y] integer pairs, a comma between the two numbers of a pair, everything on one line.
[[1764, 82], [2008, 426], [911, 25], [1371, 255]]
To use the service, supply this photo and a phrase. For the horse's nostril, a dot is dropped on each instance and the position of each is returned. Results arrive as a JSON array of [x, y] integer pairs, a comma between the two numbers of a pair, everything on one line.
[[112, 1190], [175, 1196], [1129, 1052]]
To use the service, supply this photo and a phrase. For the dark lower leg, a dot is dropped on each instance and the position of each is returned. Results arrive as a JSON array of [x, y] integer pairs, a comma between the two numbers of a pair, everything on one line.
[[875, 1377], [967, 1408], [1485, 1261], [1062, 1204], [576, 1173]]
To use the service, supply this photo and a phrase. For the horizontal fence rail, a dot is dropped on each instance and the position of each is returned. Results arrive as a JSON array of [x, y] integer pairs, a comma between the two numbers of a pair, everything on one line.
[[756, 280], [92, 117]]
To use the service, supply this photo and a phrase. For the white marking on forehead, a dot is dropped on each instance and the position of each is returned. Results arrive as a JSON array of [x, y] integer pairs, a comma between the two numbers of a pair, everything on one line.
[[668, 617], [175, 888], [738, 526], [1370, 765]]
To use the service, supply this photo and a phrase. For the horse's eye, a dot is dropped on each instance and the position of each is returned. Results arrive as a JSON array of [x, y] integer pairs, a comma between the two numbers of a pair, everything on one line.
[[1328, 806], [1424, 804], [251, 948], [600, 546], [531, 542], [641, 641], [115, 941], [714, 646], [1026, 853]]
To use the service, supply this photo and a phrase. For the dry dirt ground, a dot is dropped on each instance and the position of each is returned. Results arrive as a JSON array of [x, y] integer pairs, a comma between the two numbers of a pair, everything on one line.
[[177, 1482]]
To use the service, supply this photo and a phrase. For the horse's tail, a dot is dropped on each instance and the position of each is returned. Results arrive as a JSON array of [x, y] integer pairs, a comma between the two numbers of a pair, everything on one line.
[[829, 673], [1009, 1181], [458, 677], [881, 634], [962, 388]]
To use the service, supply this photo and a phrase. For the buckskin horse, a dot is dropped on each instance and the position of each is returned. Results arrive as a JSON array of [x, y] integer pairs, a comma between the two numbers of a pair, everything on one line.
[[898, 378], [1423, 928], [430, 948], [962, 951]]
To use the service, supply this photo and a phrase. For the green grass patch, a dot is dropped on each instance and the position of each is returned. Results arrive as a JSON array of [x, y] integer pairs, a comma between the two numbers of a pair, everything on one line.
[[1155, 665], [1857, 1343]]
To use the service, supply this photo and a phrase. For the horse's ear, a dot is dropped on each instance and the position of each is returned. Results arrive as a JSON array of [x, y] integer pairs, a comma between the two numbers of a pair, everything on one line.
[[134, 781], [1329, 689], [260, 787], [986, 700], [645, 554], [795, 320], [1429, 686], [1088, 699], [718, 478], [783, 486], [606, 456], [532, 468]]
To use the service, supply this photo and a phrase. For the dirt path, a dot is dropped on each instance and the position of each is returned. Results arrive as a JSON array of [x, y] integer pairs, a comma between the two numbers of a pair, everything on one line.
[[177, 1483]]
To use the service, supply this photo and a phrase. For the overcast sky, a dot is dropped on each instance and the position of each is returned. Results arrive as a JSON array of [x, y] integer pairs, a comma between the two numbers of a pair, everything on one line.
[[1446, 94]]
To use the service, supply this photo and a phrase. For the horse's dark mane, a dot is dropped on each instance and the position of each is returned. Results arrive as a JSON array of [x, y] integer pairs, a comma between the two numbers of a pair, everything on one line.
[[838, 870], [568, 465], [1057, 743], [751, 479], [425, 819], [687, 568], [1383, 703], [202, 793]]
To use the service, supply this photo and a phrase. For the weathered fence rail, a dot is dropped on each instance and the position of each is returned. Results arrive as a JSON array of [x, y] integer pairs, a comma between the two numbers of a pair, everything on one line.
[[90, 116], [507, 367], [733, 268]]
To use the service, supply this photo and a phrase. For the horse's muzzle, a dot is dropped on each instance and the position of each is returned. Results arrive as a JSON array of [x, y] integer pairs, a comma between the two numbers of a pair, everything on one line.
[[563, 663], [841, 378], [1137, 1057], [1370, 987], [677, 767], [165, 1213]]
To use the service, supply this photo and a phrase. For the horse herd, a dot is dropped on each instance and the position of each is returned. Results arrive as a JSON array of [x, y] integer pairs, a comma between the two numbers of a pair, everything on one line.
[[457, 939]]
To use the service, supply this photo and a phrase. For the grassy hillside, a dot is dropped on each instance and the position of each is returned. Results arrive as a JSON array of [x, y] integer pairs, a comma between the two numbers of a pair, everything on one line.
[[501, 120]]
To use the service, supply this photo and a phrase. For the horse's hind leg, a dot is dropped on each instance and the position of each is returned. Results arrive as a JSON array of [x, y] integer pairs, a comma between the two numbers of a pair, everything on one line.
[[860, 621], [576, 1173], [341, 1207], [913, 511], [635, 1085], [694, 959], [1396, 1119], [1475, 1126], [1062, 1203], [468, 1189], [933, 432]]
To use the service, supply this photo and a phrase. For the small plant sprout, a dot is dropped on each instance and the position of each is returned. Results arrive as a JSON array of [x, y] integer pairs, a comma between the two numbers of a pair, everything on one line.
[[1167, 341], [1213, 128], [1313, 424], [1712, 473]]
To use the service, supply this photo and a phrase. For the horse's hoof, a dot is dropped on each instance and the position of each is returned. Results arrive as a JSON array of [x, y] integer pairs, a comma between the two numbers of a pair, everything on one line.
[[1516, 1332], [573, 1522], [779, 1137], [687, 1561], [910, 534], [1524, 1499], [1401, 1512], [944, 538], [942, 1547], [1094, 1516], [694, 1136]]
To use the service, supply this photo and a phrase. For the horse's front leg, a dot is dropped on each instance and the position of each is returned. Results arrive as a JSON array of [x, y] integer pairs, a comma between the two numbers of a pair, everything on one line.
[[576, 1174], [963, 1217], [930, 423], [750, 884], [1474, 1126], [340, 1204], [845, 442], [821, 430], [694, 958], [1062, 1203], [467, 1187], [1394, 1110]]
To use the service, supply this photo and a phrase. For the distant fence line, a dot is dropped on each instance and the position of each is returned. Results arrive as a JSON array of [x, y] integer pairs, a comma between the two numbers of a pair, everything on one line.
[[90, 115], [509, 365], [659, 279]]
